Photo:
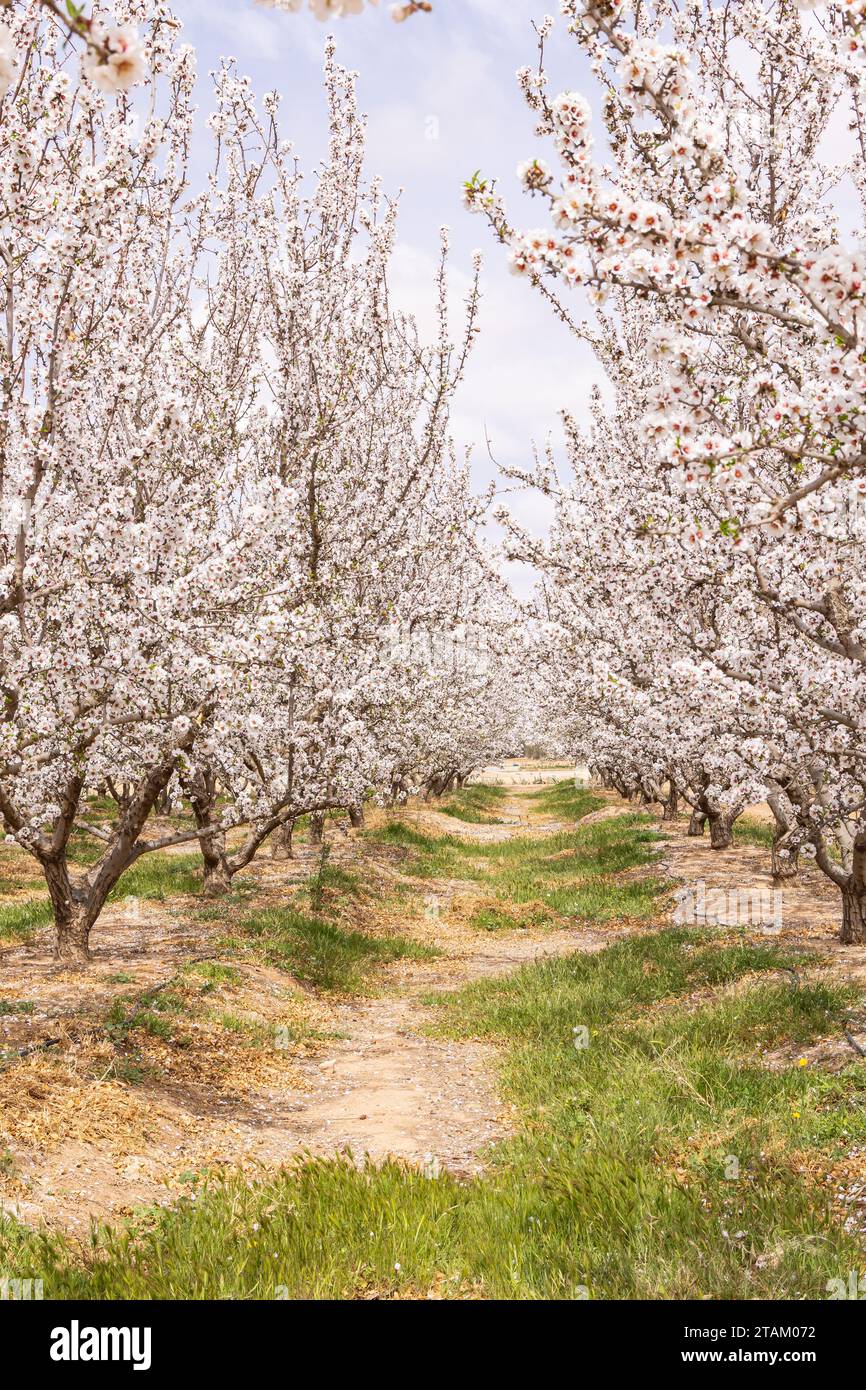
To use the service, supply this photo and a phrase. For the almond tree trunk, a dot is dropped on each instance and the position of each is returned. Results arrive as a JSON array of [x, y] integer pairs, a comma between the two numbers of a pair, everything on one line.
[[697, 822], [217, 875], [281, 841], [72, 941], [854, 896], [672, 805], [853, 914], [73, 915], [783, 861], [356, 816], [78, 905], [317, 827], [721, 829], [201, 790]]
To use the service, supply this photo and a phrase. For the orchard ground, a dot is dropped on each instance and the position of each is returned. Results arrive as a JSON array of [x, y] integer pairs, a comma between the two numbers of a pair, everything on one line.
[[464, 1053]]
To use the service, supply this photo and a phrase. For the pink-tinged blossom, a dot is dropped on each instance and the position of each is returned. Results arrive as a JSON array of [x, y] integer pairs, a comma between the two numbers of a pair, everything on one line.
[[8, 60], [119, 62]]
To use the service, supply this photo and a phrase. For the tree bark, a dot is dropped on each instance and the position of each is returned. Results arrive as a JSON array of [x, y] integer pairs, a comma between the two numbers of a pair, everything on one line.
[[782, 862], [72, 941], [853, 912], [356, 816], [72, 919], [854, 895], [721, 829], [697, 822], [672, 805], [281, 841], [201, 790], [217, 874], [77, 907], [317, 827]]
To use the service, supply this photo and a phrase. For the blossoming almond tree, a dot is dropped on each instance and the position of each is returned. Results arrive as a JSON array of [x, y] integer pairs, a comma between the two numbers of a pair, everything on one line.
[[704, 214], [354, 411], [226, 475], [124, 580], [714, 236]]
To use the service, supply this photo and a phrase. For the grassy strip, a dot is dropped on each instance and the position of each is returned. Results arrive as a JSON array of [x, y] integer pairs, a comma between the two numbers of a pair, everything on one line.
[[320, 952], [19, 921], [473, 804], [568, 874], [566, 800], [662, 1159], [749, 831], [615, 1184]]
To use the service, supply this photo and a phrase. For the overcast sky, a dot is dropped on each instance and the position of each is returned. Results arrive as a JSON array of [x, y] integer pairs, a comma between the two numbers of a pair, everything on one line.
[[449, 75]]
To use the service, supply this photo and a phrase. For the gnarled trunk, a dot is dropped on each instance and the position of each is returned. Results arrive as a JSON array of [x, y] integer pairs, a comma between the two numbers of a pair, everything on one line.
[[74, 914], [853, 912], [854, 895], [317, 827], [281, 841], [721, 829], [78, 905], [201, 790], [72, 941], [356, 816], [697, 822], [783, 862], [217, 874], [672, 804]]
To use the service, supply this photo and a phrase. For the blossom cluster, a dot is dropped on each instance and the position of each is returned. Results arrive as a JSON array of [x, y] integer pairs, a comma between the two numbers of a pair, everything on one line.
[[739, 266]]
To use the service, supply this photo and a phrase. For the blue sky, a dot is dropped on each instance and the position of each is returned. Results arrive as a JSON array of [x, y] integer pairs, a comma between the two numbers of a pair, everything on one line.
[[452, 74]]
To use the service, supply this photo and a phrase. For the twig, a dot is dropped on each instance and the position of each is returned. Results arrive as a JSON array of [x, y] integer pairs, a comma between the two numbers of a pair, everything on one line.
[[38, 1047]]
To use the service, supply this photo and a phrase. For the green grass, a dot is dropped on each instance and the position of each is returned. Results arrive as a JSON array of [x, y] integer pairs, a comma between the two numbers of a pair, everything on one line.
[[321, 953], [19, 921], [160, 876], [566, 800], [473, 804], [150, 1011], [16, 1006], [498, 918], [570, 874], [749, 831], [330, 887], [214, 973], [615, 1182]]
